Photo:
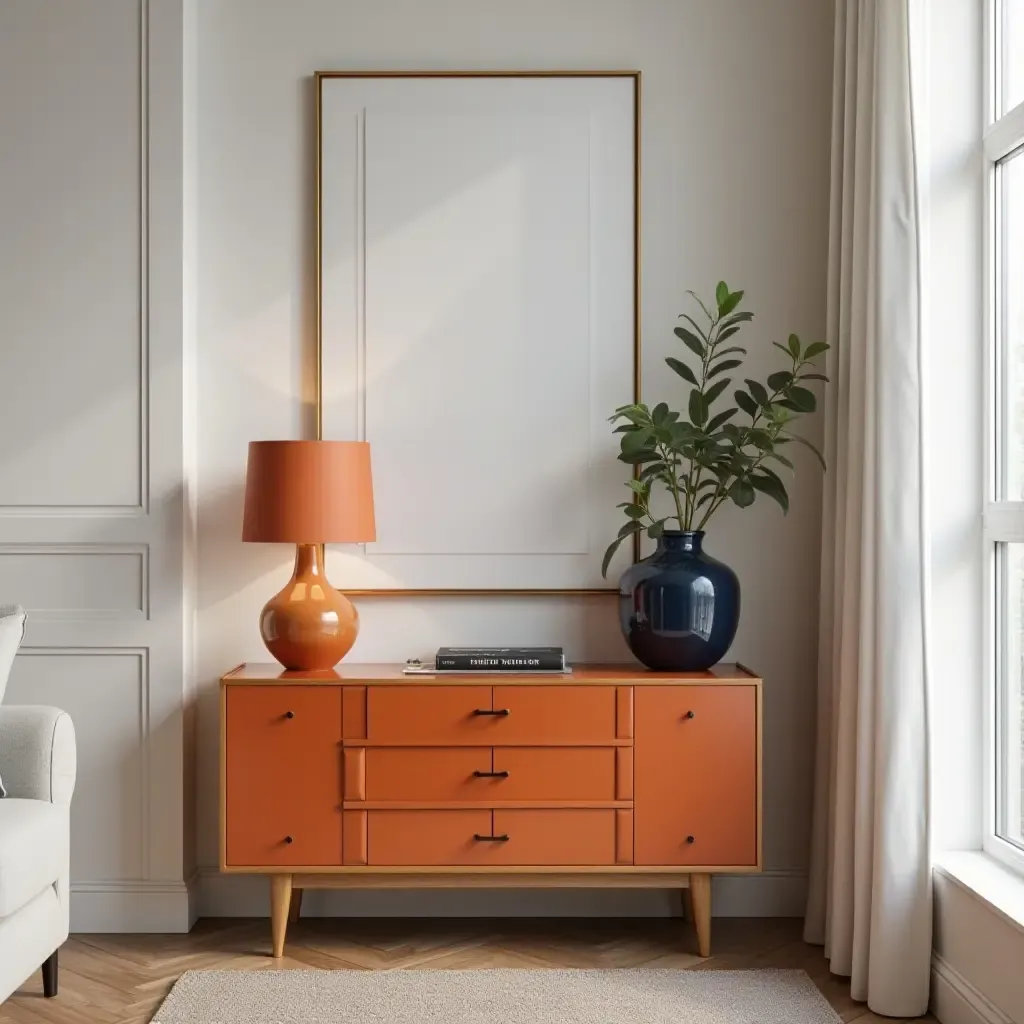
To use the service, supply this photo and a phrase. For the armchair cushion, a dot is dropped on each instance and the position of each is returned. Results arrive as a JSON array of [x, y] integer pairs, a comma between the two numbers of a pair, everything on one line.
[[12, 630], [33, 850], [37, 753]]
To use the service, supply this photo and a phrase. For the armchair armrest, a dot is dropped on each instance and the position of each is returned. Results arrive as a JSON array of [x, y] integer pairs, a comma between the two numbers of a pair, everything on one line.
[[38, 759]]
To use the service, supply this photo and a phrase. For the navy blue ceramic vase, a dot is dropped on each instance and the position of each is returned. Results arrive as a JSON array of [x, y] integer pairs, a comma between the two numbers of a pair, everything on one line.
[[679, 608]]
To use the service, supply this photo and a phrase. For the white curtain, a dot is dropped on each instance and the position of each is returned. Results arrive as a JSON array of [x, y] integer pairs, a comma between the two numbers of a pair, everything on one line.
[[870, 884]]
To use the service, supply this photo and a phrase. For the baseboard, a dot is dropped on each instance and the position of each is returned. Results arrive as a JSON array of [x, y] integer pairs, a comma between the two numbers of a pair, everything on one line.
[[956, 1001], [770, 894], [136, 906]]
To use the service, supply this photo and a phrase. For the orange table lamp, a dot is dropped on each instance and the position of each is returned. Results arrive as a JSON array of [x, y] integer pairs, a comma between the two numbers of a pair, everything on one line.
[[309, 493]]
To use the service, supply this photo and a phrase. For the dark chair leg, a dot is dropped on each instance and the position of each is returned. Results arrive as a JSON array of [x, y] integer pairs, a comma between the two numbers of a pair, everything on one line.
[[50, 975]]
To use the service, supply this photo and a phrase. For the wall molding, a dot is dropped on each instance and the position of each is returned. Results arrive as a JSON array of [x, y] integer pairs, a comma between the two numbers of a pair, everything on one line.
[[769, 894], [133, 906], [955, 1000]]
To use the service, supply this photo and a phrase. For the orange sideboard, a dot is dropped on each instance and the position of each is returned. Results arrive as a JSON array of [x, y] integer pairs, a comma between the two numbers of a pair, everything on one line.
[[609, 776]]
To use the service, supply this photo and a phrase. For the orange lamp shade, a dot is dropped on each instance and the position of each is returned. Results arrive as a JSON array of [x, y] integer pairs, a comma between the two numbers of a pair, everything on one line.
[[308, 492]]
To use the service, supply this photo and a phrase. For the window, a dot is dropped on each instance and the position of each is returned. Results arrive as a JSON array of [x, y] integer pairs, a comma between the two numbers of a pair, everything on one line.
[[1004, 512]]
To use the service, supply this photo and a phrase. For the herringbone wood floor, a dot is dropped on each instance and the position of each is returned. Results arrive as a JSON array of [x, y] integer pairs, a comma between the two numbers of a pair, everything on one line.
[[121, 979]]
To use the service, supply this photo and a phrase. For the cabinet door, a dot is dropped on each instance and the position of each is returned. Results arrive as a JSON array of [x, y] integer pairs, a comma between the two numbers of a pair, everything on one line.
[[695, 775], [282, 775]]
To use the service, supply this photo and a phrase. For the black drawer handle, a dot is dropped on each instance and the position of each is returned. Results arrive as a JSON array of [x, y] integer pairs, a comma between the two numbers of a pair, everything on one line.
[[490, 775], [690, 839], [500, 713], [690, 714], [288, 839], [289, 714], [503, 838]]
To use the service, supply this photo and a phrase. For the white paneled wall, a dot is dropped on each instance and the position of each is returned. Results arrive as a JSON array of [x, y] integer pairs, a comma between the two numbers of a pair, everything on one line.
[[92, 291]]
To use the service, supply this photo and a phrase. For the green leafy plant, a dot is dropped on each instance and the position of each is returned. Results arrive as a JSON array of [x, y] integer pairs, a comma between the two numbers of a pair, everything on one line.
[[702, 458]]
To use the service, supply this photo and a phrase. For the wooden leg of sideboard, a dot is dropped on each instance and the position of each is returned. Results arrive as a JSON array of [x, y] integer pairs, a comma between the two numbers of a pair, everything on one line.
[[700, 894], [296, 908], [686, 901], [280, 901]]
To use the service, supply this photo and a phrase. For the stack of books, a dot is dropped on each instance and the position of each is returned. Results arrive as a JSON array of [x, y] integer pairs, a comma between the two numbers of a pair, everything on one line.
[[519, 660]]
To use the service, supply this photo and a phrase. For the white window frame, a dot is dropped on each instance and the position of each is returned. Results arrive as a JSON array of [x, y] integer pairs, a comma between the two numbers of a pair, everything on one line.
[[1003, 521]]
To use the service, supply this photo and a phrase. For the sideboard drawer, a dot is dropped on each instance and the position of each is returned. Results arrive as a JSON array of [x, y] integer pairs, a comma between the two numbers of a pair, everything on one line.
[[550, 715], [555, 773], [282, 774], [474, 837], [429, 715], [558, 838], [428, 774], [428, 838]]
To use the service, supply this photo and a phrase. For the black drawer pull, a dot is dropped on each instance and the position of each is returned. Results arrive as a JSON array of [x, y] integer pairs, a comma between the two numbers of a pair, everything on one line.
[[288, 839], [690, 839], [490, 775], [289, 714], [500, 713], [689, 714], [503, 838]]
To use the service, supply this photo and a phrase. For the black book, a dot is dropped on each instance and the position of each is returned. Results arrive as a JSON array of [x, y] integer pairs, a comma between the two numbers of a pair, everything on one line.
[[500, 659]]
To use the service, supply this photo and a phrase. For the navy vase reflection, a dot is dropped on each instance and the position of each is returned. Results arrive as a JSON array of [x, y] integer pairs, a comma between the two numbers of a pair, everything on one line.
[[679, 608]]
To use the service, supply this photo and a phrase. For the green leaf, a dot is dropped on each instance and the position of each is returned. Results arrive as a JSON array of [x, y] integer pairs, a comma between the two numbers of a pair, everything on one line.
[[648, 473], [762, 439], [716, 421], [745, 402], [725, 335], [705, 500], [780, 458], [630, 528], [729, 364], [815, 349], [696, 326], [813, 376], [794, 346], [780, 380], [803, 399], [757, 390], [656, 529], [682, 369], [732, 300], [614, 546], [639, 487], [640, 457], [721, 295], [715, 390], [635, 440], [659, 413], [782, 348], [807, 444], [737, 318], [635, 511], [772, 486], [742, 493], [691, 341], [693, 295], [721, 353], [698, 410]]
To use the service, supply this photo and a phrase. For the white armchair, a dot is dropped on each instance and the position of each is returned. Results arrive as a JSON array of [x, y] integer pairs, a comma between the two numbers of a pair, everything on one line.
[[37, 766]]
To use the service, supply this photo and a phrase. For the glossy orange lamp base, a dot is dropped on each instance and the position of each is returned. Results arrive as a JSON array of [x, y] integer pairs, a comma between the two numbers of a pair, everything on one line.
[[309, 625]]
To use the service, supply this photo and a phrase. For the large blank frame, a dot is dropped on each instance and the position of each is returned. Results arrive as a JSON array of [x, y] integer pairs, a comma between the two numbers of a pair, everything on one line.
[[478, 321]]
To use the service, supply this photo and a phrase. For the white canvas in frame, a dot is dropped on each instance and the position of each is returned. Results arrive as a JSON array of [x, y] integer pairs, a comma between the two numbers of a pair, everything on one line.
[[477, 322]]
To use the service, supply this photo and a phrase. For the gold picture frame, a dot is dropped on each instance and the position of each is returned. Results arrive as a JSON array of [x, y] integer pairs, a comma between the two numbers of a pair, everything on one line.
[[319, 78]]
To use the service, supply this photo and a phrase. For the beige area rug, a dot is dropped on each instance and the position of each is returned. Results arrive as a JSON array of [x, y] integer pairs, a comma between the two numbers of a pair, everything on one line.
[[495, 997]]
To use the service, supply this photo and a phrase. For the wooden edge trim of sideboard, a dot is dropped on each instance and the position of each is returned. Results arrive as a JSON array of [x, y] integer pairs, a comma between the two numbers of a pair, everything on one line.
[[223, 794], [759, 766], [495, 875], [602, 879]]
